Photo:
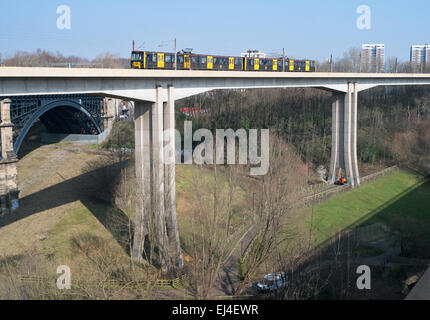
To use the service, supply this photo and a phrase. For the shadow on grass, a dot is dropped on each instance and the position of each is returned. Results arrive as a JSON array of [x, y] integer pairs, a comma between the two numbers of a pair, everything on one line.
[[81, 188], [334, 262], [408, 203]]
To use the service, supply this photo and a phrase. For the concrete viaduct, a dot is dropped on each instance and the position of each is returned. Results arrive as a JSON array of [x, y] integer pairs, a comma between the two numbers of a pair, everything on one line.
[[154, 93]]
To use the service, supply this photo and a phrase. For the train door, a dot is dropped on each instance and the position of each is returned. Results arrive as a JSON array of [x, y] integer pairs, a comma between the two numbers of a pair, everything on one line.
[[231, 63], [275, 65], [256, 64], [210, 62], [243, 64], [308, 66], [160, 60], [187, 61], [291, 63]]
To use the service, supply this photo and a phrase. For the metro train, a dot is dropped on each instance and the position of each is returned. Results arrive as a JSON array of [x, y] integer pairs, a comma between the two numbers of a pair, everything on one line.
[[191, 61]]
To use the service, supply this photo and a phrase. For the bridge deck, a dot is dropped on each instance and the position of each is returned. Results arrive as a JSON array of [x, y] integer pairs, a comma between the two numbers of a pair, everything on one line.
[[31, 72]]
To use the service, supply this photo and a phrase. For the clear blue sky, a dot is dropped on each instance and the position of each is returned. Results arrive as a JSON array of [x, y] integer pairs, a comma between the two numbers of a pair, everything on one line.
[[312, 29]]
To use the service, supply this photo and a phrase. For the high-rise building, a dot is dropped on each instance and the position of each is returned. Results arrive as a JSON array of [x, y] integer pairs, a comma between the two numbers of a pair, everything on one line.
[[373, 58], [420, 54]]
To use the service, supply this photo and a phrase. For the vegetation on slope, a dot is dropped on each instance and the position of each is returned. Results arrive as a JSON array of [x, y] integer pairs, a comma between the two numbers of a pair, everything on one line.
[[398, 194]]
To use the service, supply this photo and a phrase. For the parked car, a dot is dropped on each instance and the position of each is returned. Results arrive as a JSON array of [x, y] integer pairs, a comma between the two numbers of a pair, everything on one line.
[[272, 282]]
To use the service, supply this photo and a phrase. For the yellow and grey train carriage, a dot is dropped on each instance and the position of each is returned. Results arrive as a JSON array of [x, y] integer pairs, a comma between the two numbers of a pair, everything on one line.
[[191, 61]]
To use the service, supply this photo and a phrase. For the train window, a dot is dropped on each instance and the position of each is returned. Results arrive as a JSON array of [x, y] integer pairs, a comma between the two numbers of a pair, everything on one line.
[[181, 59], [237, 61], [194, 59], [215, 60], [154, 58], [168, 59], [203, 59]]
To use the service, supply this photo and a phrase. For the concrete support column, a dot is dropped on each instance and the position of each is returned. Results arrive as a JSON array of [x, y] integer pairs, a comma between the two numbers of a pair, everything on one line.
[[175, 253], [338, 101], [344, 137], [8, 173], [142, 135], [354, 134], [155, 174], [347, 137], [158, 178]]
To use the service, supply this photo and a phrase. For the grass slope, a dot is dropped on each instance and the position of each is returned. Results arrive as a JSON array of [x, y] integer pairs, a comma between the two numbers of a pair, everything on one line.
[[400, 193]]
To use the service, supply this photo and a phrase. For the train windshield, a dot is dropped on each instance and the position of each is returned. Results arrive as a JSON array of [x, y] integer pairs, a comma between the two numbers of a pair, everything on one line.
[[136, 56]]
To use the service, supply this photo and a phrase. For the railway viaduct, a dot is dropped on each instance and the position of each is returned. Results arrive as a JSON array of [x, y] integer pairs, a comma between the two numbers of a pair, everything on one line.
[[154, 93]]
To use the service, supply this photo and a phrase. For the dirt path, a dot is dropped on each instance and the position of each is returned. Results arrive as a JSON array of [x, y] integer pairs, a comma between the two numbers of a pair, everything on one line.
[[228, 279]]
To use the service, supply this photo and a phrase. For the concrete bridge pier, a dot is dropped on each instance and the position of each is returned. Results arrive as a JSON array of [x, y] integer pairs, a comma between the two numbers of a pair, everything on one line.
[[155, 174], [8, 173], [344, 136], [170, 179]]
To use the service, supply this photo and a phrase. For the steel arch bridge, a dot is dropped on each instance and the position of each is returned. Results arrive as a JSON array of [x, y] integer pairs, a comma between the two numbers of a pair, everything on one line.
[[77, 114]]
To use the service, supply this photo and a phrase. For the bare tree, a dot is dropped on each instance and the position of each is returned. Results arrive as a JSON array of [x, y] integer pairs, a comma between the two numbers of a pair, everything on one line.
[[277, 194], [350, 62]]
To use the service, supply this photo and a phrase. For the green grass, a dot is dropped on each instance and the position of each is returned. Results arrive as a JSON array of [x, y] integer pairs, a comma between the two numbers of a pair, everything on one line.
[[63, 144], [400, 193], [77, 220], [91, 146]]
